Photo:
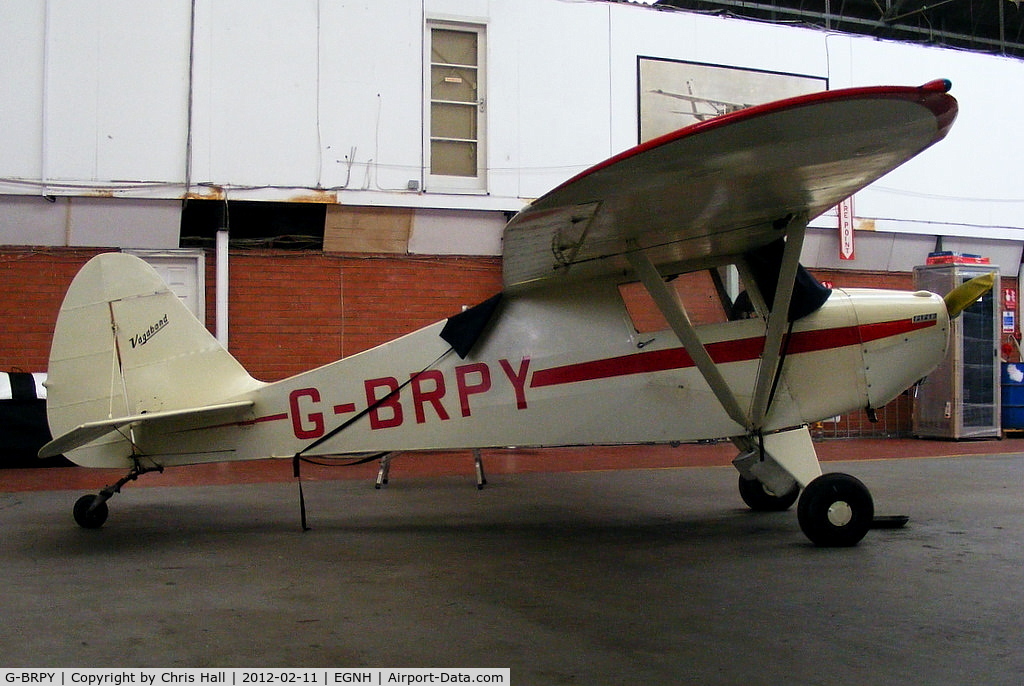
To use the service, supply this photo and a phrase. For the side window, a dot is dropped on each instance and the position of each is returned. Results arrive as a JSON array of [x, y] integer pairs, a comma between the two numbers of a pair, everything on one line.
[[455, 111], [695, 289]]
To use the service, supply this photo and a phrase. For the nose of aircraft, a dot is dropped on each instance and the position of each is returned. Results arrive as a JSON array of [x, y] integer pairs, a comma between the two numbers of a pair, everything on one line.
[[903, 338], [915, 328]]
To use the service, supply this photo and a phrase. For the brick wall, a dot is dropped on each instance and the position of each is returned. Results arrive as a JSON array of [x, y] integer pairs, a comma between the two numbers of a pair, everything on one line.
[[290, 312], [902, 281], [32, 285], [387, 300], [283, 311]]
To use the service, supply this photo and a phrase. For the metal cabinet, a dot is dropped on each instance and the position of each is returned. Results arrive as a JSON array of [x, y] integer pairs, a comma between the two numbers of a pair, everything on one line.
[[961, 398]]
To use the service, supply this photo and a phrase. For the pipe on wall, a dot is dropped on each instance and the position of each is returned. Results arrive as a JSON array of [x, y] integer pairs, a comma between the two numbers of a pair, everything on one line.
[[222, 288]]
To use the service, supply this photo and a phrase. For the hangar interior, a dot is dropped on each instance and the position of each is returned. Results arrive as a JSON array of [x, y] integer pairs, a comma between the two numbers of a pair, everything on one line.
[[354, 157], [274, 160], [992, 27]]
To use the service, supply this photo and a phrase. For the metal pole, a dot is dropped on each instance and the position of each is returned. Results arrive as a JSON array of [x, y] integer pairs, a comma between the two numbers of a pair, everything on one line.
[[222, 287]]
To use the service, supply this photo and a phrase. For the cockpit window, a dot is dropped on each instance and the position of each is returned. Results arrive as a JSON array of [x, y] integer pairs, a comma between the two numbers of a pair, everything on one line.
[[695, 289]]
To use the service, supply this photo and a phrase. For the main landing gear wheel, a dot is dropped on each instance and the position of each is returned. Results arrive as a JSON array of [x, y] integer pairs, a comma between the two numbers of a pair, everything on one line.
[[91, 511], [759, 498], [835, 510]]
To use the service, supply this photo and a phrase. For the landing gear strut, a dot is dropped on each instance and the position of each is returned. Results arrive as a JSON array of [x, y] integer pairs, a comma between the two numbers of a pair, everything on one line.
[[834, 510], [91, 510]]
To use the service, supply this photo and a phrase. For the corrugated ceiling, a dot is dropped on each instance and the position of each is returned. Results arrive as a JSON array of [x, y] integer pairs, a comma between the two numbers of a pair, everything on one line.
[[990, 26]]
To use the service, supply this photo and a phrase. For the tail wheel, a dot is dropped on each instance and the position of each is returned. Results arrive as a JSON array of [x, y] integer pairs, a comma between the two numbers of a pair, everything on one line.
[[835, 510], [760, 498], [90, 511]]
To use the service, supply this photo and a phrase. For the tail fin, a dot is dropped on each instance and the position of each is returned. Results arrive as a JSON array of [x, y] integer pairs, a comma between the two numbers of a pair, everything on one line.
[[125, 346]]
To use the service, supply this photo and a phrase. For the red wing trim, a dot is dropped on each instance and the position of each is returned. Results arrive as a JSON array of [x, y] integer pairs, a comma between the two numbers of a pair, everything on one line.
[[724, 352]]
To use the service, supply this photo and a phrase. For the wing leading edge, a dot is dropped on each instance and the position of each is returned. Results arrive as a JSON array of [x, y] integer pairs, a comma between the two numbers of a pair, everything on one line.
[[702, 195]]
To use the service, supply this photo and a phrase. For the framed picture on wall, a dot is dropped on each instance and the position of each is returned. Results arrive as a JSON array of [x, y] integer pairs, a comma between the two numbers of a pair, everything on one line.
[[675, 94]]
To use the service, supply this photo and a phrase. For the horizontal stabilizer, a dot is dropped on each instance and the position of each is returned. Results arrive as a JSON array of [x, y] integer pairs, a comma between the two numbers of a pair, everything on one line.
[[195, 417]]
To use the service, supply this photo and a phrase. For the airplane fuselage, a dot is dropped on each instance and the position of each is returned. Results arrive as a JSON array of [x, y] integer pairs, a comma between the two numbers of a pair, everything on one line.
[[567, 367]]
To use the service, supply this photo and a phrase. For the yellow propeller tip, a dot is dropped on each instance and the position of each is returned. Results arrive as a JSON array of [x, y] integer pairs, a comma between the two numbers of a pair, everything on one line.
[[965, 295]]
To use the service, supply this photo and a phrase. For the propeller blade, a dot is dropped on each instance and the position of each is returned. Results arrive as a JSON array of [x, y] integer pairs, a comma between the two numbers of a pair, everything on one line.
[[964, 295]]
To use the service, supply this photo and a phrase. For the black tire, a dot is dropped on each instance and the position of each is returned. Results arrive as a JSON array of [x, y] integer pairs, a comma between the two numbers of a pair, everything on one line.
[[88, 516], [835, 510], [759, 498]]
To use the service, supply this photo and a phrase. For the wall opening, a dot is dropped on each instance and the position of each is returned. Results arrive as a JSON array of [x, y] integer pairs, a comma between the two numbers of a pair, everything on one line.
[[251, 224]]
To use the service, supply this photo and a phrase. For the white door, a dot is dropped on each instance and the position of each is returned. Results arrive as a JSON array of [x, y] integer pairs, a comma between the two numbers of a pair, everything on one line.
[[184, 272]]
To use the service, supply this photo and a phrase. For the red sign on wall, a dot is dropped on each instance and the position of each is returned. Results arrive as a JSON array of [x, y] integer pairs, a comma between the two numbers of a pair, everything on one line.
[[1010, 325], [846, 247]]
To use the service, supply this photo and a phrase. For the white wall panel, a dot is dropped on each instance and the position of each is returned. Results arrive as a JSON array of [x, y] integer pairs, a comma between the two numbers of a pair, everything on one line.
[[454, 232], [464, 10], [78, 221], [371, 86], [549, 99], [255, 93], [116, 90], [304, 94], [71, 114], [969, 180], [123, 223], [33, 220], [21, 90], [504, 165], [901, 252]]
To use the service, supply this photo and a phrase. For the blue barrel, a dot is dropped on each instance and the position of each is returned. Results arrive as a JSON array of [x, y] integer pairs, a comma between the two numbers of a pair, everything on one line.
[[1013, 395]]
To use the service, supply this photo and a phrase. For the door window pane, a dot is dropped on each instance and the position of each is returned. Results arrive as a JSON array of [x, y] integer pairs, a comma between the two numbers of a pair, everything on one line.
[[457, 158], [454, 91]]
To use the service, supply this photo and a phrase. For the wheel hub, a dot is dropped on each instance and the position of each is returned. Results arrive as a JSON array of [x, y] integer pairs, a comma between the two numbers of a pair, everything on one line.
[[840, 513]]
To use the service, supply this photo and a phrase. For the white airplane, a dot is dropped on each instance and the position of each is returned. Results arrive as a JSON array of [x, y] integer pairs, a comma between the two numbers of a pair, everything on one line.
[[137, 382], [717, 107]]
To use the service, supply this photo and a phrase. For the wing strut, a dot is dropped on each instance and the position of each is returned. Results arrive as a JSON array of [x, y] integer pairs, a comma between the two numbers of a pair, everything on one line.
[[753, 292], [777, 321], [672, 309]]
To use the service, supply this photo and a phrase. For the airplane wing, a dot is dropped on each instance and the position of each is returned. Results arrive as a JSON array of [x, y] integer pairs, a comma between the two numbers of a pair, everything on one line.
[[702, 195], [198, 417]]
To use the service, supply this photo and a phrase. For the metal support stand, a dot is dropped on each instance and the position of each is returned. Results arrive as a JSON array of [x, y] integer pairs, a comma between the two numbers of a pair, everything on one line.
[[478, 463], [385, 469]]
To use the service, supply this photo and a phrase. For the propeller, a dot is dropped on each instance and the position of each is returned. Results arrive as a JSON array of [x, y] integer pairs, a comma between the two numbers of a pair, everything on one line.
[[964, 295]]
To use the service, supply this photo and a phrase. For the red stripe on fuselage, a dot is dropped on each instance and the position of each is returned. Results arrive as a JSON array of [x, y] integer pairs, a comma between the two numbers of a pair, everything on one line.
[[723, 352]]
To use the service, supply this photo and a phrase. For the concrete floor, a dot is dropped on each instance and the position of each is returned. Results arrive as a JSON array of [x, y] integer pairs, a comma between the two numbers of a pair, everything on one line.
[[654, 576]]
